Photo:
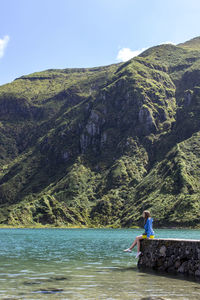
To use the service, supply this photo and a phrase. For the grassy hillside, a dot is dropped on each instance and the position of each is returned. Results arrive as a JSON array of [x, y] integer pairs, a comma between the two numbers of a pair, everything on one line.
[[97, 146]]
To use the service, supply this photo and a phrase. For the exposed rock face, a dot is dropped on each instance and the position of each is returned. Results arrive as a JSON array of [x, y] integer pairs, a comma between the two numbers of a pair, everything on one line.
[[188, 97], [93, 125], [66, 155], [92, 132], [146, 119], [171, 255]]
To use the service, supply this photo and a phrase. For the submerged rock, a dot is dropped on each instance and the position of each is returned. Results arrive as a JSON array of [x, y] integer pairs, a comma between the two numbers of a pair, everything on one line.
[[49, 291]]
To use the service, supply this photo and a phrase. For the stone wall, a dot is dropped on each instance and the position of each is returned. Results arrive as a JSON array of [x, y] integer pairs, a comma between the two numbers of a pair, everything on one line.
[[171, 255]]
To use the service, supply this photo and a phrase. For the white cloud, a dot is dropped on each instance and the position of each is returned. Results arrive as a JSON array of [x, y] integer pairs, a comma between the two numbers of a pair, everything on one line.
[[3, 44], [125, 54], [168, 42]]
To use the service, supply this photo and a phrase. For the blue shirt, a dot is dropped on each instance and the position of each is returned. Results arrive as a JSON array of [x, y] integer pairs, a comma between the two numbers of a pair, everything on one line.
[[148, 227]]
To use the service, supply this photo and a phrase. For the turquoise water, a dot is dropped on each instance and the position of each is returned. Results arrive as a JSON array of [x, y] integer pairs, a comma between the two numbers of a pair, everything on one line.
[[83, 264]]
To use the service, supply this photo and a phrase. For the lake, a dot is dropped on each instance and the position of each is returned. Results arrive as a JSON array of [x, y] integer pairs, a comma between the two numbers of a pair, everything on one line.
[[83, 264]]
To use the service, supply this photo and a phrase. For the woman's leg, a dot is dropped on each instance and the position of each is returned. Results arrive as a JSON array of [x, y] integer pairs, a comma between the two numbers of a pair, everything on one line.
[[137, 241]]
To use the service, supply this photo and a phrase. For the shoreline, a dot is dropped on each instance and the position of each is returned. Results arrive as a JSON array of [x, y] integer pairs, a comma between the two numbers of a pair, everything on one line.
[[39, 226]]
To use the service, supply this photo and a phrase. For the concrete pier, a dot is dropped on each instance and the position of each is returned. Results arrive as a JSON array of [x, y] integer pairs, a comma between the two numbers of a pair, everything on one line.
[[174, 256]]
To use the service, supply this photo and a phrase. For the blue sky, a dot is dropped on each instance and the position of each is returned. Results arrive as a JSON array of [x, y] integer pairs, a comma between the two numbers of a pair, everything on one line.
[[36, 35]]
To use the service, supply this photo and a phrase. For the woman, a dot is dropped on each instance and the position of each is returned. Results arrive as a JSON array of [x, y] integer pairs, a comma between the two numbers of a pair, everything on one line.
[[149, 233]]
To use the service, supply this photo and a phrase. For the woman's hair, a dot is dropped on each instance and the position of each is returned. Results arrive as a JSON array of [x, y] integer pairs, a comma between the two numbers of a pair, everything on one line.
[[146, 215]]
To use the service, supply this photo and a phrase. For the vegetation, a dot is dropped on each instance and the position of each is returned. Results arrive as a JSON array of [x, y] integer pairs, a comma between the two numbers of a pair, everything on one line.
[[95, 147]]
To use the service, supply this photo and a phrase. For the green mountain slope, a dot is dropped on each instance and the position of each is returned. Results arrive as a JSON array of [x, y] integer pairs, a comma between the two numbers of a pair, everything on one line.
[[97, 146]]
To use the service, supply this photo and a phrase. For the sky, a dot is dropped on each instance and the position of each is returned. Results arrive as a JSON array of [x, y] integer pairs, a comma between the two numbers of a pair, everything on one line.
[[36, 35]]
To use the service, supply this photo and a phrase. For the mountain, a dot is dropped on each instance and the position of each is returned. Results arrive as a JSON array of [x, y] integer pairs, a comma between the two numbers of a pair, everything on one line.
[[97, 146]]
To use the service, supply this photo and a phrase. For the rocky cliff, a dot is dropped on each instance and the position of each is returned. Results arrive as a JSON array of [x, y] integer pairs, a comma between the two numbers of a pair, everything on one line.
[[98, 146]]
